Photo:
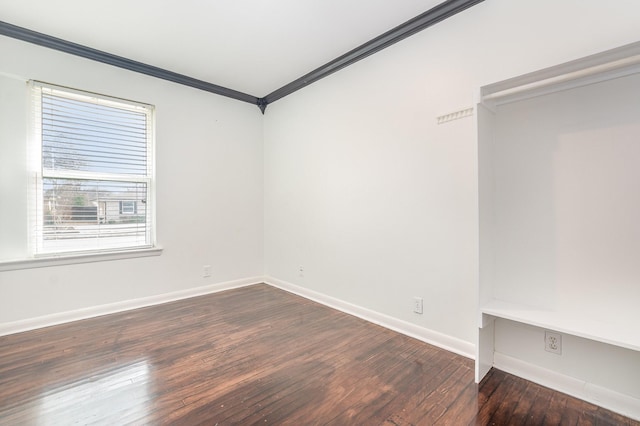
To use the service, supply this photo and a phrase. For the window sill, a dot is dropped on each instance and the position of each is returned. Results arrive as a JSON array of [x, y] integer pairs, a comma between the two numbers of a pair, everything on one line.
[[73, 259]]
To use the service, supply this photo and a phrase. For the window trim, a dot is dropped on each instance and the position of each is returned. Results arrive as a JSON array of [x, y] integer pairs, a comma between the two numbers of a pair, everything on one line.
[[59, 259], [39, 174]]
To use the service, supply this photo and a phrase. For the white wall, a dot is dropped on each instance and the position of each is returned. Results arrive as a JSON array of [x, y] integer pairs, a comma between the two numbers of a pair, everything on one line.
[[377, 201], [209, 189], [361, 187], [567, 234]]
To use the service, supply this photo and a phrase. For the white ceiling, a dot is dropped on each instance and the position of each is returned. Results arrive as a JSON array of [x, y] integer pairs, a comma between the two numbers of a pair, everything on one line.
[[254, 46]]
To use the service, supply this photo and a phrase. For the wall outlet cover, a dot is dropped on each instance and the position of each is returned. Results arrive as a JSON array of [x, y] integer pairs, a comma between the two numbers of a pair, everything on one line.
[[417, 305], [553, 342], [206, 271]]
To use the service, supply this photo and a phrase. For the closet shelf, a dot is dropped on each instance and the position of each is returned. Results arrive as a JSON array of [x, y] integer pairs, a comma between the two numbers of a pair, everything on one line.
[[623, 335]]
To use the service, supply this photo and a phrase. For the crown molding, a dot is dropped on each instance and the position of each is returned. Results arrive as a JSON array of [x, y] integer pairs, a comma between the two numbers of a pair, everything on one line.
[[434, 15], [425, 20], [65, 46]]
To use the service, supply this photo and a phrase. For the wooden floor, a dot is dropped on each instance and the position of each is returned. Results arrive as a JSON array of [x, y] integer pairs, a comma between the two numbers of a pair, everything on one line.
[[258, 355]]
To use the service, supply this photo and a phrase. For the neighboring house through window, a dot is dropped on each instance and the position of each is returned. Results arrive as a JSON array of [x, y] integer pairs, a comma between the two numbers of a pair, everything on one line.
[[93, 157]]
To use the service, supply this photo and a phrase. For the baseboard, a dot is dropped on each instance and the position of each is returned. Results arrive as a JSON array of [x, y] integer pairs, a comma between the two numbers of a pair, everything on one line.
[[125, 305], [601, 396], [429, 336], [435, 338]]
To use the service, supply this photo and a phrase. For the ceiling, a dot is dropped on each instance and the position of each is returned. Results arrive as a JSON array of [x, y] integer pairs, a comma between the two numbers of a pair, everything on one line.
[[253, 46]]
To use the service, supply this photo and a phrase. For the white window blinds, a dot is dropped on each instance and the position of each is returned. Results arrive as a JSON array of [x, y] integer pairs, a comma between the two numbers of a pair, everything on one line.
[[94, 172]]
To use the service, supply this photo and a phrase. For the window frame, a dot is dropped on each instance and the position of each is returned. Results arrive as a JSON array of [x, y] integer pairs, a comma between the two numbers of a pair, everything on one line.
[[40, 173], [130, 209]]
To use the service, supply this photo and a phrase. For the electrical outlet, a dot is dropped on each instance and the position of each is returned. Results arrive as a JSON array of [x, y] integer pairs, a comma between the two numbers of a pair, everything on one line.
[[417, 305], [553, 342], [301, 271], [206, 271]]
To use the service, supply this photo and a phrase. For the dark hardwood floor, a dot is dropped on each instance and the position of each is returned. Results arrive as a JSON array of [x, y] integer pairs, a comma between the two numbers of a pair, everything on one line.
[[258, 355]]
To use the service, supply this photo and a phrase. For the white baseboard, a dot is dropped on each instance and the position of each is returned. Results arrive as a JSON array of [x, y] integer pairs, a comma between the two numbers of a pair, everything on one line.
[[435, 338], [125, 305], [604, 397], [429, 336]]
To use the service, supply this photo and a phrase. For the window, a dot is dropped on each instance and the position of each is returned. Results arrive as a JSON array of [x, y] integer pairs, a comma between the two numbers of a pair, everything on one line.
[[93, 157], [128, 207]]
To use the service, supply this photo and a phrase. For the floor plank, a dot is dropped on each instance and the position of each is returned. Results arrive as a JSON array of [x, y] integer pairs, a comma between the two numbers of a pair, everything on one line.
[[258, 355]]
